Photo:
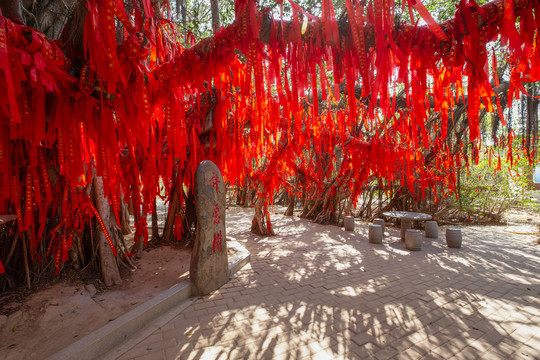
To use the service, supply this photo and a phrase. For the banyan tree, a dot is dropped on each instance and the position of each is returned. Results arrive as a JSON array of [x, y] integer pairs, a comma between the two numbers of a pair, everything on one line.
[[106, 108]]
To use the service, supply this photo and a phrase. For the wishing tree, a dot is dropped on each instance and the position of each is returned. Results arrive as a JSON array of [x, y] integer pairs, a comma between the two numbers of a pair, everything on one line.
[[116, 111]]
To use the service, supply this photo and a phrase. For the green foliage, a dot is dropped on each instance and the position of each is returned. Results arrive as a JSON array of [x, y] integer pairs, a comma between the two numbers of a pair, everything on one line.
[[198, 19], [444, 10], [486, 193]]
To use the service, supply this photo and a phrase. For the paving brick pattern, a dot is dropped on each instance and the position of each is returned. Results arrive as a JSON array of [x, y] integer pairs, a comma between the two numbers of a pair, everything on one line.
[[318, 292]]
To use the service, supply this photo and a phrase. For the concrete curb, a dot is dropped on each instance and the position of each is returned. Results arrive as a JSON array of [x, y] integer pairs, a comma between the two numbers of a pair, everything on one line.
[[239, 259], [121, 334]]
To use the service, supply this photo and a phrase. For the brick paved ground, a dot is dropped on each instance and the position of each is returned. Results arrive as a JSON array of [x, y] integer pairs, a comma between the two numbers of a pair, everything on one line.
[[317, 292]]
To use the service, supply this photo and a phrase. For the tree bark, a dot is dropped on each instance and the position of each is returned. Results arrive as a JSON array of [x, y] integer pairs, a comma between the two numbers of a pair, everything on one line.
[[25, 259], [174, 204], [140, 239], [155, 229], [74, 253], [531, 141], [261, 224], [216, 23], [124, 218], [109, 266], [12, 8], [292, 200]]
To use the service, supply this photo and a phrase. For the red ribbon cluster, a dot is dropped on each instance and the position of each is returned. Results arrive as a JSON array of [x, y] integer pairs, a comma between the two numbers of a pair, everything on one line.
[[146, 111]]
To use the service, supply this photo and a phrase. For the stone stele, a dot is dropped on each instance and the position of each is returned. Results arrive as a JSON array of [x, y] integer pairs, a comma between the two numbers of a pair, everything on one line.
[[209, 263]]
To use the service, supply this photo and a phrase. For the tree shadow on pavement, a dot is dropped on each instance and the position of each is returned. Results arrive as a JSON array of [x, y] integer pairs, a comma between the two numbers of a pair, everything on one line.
[[317, 291]]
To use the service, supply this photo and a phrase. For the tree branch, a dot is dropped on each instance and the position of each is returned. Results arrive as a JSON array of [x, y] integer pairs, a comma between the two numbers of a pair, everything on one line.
[[223, 44]]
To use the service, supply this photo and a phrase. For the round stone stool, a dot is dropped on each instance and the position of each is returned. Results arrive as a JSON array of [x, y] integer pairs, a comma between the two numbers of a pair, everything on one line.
[[405, 225], [413, 240], [379, 221], [453, 237], [375, 234], [432, 230], [348, 222]]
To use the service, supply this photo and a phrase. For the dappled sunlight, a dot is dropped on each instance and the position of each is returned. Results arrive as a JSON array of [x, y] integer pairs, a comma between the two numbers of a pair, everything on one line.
[[462, 261], [346, 291], [317, 291], [398, 251], [383, 253], [303, 237], [498, 256], [290, 329]]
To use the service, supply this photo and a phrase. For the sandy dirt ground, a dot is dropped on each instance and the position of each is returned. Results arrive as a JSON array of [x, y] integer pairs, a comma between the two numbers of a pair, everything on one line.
[[60, 314]]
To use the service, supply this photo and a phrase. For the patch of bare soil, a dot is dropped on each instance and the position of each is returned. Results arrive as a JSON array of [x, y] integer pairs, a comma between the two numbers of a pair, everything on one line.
[[523, 221], [53, 317], [521, 215]]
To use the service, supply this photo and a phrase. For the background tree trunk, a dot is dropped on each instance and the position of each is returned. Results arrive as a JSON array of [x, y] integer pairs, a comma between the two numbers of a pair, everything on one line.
[[140, 239], [292, 201], [174, 206], [261, 224], [216, 23], [531, 140], [155, 229]]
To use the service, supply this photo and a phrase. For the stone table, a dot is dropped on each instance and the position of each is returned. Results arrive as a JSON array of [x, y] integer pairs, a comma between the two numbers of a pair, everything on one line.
[[406, 217], [4, 219]]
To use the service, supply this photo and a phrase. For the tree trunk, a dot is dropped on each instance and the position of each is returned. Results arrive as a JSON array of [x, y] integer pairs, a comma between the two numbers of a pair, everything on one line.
[[109, 266], [261, 224], [190, 218], [140, 239], [174, 204], [250, 197], [12, 8], [155, 229], [74, 252], [181, 13], [25, 259], [241, 193], [124, 217], [531, 140], [290, 208], [214, 7]]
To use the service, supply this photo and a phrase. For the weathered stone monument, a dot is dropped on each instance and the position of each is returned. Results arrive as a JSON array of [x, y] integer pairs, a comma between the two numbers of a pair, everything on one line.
[[209, 263]]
